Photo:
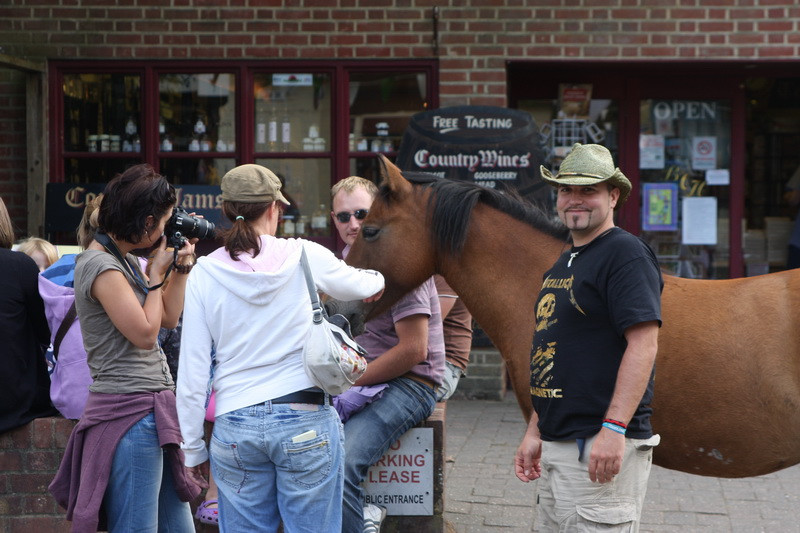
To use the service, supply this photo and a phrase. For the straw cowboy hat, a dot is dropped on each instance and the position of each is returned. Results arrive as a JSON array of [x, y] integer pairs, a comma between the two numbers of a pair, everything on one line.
[[589, 164]]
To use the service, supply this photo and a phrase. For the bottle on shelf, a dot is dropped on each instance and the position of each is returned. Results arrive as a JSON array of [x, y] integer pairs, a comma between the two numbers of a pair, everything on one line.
[[288, 226], [272, 129], [286, 130], [319, 221], [166, 141], [301, 225]]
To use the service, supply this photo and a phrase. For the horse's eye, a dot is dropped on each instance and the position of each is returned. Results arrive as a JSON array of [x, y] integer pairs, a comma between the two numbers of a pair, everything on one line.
[[369, 232]]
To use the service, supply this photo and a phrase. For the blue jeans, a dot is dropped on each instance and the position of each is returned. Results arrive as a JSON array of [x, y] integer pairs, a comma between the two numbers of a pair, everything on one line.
[[370, 432], [264, 476], [141, 493]]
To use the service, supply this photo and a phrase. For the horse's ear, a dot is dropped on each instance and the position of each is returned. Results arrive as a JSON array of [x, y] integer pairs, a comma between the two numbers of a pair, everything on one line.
[[392, 178]]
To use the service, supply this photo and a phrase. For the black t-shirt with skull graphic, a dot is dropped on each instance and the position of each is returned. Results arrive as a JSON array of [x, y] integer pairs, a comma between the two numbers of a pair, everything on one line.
[[589, 298]]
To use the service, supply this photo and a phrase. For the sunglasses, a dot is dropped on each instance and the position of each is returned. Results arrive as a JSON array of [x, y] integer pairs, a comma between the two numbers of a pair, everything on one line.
[[344, 216]]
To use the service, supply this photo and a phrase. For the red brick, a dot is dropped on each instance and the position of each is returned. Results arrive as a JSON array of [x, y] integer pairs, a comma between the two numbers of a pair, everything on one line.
[[687, 39], [682, 13], [776, 26], [746, 38], [657, 51], [31, 483], [777, 51], [10, 461], [750, 14], [715, 51], [19, 438], [42, 432], [715, 27], [42, 461], [39, 524], [602, 51], [497, 76], [629, 13]]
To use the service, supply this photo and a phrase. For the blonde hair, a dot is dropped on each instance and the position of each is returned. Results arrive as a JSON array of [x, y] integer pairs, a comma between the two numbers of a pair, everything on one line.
[[89, 222], [6, 229], [351, 183], [35, 244]]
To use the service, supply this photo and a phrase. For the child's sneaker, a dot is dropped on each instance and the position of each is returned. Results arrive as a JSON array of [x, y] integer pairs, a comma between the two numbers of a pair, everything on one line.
[[373, 516]]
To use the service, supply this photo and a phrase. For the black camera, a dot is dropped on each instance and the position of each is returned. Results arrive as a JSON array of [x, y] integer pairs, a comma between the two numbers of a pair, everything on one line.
[[182, 226]]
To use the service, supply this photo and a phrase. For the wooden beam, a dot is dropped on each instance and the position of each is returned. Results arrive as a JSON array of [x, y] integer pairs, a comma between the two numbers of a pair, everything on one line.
[[22, 64], [35, 101]]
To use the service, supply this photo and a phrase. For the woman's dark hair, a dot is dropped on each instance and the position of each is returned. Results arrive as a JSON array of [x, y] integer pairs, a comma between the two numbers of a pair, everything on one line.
[[130, 198], [241, 237]]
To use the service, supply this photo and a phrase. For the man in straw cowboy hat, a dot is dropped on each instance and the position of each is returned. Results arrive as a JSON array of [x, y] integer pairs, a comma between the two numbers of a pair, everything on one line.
[[589, 441]]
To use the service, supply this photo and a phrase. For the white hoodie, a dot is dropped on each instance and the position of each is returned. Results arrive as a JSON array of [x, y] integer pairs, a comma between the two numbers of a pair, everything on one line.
[[255, 314]]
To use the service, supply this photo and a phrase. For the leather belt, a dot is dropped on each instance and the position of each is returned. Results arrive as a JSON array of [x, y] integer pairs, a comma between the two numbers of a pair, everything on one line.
[[420, 379], [315, 397]]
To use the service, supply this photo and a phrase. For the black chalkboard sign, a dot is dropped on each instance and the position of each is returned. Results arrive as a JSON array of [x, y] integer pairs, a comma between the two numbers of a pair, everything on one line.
[[484, 144]]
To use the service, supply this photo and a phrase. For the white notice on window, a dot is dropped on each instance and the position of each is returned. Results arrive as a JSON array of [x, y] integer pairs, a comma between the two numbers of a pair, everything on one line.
[[719, 176], [651, 151], [699, 224]]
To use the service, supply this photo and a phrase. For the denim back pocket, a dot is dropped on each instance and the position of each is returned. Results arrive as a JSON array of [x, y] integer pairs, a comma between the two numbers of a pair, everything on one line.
[[229, 467], [310, 461]]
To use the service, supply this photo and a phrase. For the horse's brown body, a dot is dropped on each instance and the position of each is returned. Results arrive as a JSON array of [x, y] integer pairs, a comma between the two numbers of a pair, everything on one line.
[[727, 389]]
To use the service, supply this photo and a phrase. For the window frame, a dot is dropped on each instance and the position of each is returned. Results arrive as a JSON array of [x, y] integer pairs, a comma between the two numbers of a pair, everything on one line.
[[243, 72]]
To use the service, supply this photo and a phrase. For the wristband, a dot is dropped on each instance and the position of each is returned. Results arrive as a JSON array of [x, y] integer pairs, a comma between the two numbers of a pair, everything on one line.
[[616, 423], [614, 427], [185, 269]]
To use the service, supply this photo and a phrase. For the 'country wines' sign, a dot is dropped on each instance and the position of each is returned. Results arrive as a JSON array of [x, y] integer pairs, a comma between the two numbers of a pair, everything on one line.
[[487, 145]]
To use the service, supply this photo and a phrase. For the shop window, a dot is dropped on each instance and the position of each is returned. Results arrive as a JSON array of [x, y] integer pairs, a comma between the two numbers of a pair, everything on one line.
[[772, 198], [101, 116], [292, 112], [313, 124], [684, 170], [309, 190], [562, 122], [197, 113], [381, 106]]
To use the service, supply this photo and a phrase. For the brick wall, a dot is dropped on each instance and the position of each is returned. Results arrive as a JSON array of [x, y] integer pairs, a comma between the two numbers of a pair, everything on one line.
[[29, 458], [13, 177], [475, 38]]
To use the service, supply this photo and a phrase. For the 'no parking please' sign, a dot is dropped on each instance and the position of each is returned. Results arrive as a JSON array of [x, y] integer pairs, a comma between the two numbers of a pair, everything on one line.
[[402, 480]]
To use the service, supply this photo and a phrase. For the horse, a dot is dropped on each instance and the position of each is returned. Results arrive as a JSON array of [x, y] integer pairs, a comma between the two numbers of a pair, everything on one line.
[[727, 381]]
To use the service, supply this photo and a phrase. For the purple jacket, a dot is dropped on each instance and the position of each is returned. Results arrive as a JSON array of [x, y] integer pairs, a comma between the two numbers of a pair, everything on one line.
[[79, 485], [69, 383]]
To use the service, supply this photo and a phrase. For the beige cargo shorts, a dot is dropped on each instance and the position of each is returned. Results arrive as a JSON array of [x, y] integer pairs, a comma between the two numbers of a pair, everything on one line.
[[568, 501]]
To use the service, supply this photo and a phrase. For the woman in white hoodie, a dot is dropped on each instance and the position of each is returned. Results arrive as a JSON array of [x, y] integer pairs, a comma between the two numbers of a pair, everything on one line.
[[276, 449]]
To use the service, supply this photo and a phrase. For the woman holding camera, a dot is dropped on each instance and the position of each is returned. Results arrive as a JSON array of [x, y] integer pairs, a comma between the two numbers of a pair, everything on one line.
[[276, 448], [126, 445]]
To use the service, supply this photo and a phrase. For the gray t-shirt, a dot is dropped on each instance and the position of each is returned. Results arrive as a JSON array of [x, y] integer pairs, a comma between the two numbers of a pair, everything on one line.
[[115, 363]]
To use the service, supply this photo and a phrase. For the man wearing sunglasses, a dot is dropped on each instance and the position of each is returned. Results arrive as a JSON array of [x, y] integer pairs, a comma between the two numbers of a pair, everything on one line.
[[405, 349], [351, 200]]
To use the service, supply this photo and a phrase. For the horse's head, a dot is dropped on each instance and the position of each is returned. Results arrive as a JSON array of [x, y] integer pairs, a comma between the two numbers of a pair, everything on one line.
[[395, 238]]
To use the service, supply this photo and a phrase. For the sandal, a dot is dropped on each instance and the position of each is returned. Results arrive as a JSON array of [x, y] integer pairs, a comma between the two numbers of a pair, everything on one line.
[[206, 515]]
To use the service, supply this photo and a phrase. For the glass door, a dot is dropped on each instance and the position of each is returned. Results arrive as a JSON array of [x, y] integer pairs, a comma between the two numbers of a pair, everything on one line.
[[685, 178]]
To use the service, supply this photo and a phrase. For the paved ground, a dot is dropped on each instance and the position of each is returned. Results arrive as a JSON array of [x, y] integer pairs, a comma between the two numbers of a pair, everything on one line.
[[484, 496]]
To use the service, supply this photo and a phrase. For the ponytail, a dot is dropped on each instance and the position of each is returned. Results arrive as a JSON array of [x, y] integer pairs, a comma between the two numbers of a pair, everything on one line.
[[241, 237]]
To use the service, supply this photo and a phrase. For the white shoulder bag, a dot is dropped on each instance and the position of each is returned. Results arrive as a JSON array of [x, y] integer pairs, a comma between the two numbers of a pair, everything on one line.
[[331, 358]]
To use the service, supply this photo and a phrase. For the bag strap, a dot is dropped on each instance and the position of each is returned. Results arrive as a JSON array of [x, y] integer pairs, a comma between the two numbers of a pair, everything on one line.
[[111, 248], [316, 306], [69, 318]]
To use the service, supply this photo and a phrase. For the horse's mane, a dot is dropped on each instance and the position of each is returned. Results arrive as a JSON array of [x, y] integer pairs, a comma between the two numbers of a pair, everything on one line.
[[452, 203]]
